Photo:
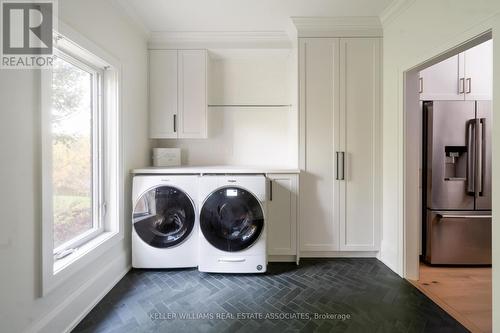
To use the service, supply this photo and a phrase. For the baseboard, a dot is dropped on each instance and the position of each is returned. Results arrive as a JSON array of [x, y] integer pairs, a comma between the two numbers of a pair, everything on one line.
[[281, 258], [44, 323], [89, 308], [338, 254], [389, 257]]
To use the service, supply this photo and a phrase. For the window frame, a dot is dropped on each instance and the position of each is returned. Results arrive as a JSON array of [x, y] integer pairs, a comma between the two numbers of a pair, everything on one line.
[[98, 192], [55, 273]]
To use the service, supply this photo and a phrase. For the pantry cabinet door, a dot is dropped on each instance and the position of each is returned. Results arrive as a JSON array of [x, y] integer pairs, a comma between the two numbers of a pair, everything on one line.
[[162, 93], [319, 121], [192, 94], [282, 214], [360, 83], [443, 81], [479, 72]]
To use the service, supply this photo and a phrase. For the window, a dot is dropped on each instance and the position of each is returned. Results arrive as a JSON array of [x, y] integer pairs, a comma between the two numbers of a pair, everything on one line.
[[76, 125], [82, 187]]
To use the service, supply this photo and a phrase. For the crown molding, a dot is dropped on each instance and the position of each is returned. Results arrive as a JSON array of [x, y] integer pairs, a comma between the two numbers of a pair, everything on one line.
[[129, 13], [219, 39], [342, 26], [396, 8]]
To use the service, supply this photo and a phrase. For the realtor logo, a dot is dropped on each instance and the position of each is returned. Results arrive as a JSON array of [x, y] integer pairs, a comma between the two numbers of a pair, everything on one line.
[[27, 33]]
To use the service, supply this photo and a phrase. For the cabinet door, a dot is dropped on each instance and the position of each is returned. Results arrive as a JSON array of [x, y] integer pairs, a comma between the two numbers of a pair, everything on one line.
[[282, 214], [442, 80], [162, 93], [192, 94], [319, 121], [360, 84], [479, 72]]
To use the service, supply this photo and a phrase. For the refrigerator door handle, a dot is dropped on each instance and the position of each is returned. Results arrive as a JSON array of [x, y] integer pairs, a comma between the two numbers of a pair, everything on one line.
[[478, 158], [452, 216], [481, 152], [470, 157]]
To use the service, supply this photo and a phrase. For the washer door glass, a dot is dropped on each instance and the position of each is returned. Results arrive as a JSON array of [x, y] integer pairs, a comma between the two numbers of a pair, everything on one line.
[[163, 217], [231, 219]]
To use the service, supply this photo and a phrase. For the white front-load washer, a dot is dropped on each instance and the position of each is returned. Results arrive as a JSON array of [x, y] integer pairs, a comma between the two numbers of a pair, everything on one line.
[[232, 224], [165, 221]]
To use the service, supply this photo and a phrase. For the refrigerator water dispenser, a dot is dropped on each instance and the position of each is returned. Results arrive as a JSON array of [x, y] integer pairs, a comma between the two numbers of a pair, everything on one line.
[[455, 163]]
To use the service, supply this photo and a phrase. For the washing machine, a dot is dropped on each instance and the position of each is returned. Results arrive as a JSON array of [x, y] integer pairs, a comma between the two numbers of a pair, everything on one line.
[[232, 224], [165, 221]]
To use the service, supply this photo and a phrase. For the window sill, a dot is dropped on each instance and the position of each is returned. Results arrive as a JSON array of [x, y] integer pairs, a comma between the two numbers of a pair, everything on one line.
[[63, 263], [58, 272]]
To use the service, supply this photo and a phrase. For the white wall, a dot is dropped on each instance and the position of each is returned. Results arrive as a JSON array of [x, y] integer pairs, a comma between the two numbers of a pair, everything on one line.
[[243, 136], [425, 29], [21, 308], [250, 136]]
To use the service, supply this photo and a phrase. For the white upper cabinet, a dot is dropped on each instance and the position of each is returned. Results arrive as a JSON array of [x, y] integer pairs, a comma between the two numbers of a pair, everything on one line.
[[282, 214], [465, 76], [360, 144], [442, 81], [162, 93], [479, 72], [192, 101], [178, 93]]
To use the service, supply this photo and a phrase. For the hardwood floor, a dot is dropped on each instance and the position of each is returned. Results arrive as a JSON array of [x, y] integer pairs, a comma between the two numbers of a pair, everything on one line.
[[465, 293]]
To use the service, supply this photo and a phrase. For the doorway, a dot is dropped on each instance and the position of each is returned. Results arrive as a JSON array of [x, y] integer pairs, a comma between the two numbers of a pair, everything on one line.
[[461, 289]]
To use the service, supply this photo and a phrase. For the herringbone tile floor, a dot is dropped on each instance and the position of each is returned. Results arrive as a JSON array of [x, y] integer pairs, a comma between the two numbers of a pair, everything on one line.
[[374, 298]]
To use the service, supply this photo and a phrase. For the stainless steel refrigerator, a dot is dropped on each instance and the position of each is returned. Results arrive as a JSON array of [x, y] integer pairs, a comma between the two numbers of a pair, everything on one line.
[[457, 182]]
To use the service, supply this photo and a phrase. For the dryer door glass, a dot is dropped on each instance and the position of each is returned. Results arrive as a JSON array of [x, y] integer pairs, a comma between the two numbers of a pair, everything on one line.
[[231, 219], [164, 217]]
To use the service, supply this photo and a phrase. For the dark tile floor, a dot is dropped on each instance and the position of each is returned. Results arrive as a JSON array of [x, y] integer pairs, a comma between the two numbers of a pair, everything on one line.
[[349, 295]]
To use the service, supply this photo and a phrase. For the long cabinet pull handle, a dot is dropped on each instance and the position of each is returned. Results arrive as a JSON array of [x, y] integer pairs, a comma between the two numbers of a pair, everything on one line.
[[343, 165], [421, 85], [340, 175], [270, 190], [175, 123], [461, 86], [337, 165], [469, 85]]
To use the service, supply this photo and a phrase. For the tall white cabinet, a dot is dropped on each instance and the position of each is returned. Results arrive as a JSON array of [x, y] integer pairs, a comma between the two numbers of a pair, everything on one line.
[[339, 103], [178, 94], [359, 144]]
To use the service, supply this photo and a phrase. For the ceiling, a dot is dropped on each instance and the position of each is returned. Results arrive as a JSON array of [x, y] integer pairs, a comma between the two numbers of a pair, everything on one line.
[[240, 15]]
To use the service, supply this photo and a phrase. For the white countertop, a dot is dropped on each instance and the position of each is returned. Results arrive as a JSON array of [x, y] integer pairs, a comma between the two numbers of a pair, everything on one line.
[[212, 169]]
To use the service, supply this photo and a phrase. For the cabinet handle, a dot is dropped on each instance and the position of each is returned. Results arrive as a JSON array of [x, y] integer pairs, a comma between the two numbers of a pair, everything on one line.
[[421, 85], [469, 85], [337, 165], [270, 190], [343, 165], [340, 165], [461, 86], [175, 123]]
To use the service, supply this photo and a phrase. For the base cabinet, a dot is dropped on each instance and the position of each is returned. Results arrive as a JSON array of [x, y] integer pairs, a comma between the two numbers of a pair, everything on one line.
[[282, 214]]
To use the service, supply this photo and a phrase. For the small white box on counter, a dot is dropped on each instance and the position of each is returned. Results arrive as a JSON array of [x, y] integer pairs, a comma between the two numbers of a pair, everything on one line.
[[166, 157]]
